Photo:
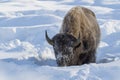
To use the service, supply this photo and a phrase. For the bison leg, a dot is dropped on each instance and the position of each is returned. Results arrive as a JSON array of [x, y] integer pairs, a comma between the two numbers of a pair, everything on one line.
[[87, 58], [91, 57]]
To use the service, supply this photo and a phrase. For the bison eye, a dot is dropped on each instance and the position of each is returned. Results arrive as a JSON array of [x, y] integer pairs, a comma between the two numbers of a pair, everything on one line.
[[78, 45]]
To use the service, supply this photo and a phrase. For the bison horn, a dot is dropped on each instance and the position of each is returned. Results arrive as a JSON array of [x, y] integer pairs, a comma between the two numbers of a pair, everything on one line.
[[76, 43], [50, 41]]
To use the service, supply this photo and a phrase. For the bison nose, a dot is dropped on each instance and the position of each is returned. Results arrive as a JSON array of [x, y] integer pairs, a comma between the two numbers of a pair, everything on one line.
[[61, 62]]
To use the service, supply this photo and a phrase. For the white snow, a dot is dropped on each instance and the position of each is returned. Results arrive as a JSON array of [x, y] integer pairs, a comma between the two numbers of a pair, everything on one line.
[[25, 54], [108, 2]]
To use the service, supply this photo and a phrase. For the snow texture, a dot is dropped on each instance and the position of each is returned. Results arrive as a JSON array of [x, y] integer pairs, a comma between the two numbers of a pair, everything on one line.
[[25, 54]]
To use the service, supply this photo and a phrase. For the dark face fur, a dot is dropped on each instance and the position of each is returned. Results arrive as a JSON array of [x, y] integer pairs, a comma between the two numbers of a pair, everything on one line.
[[66, 48], [63, 48]]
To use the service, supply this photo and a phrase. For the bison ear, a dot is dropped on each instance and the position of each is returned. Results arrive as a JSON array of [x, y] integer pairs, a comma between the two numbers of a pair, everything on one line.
[[77, 43], [85, 44], [50, 41]]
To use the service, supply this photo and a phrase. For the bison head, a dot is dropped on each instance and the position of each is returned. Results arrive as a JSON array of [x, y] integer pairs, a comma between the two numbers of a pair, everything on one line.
[[64, 46]]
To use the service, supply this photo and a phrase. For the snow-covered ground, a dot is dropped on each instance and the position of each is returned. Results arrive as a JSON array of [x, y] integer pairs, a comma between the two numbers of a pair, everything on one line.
[[25, 54]]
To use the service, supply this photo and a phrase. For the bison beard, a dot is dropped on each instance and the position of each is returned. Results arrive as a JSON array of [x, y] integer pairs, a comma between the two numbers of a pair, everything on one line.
[[78, 39], [64, 60]]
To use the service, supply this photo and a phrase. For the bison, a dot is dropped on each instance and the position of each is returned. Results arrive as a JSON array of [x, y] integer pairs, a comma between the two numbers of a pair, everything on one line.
[[78, 39]]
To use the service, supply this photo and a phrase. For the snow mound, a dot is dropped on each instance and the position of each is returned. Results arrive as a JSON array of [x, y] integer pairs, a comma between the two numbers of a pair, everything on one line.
[[30, 20], [110, 27]]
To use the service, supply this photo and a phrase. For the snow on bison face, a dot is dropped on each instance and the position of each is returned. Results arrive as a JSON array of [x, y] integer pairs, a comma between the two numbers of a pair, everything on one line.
[[64, 45]]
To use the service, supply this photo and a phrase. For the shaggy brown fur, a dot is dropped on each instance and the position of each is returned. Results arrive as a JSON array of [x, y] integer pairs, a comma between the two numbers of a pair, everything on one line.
[[79, 22]]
